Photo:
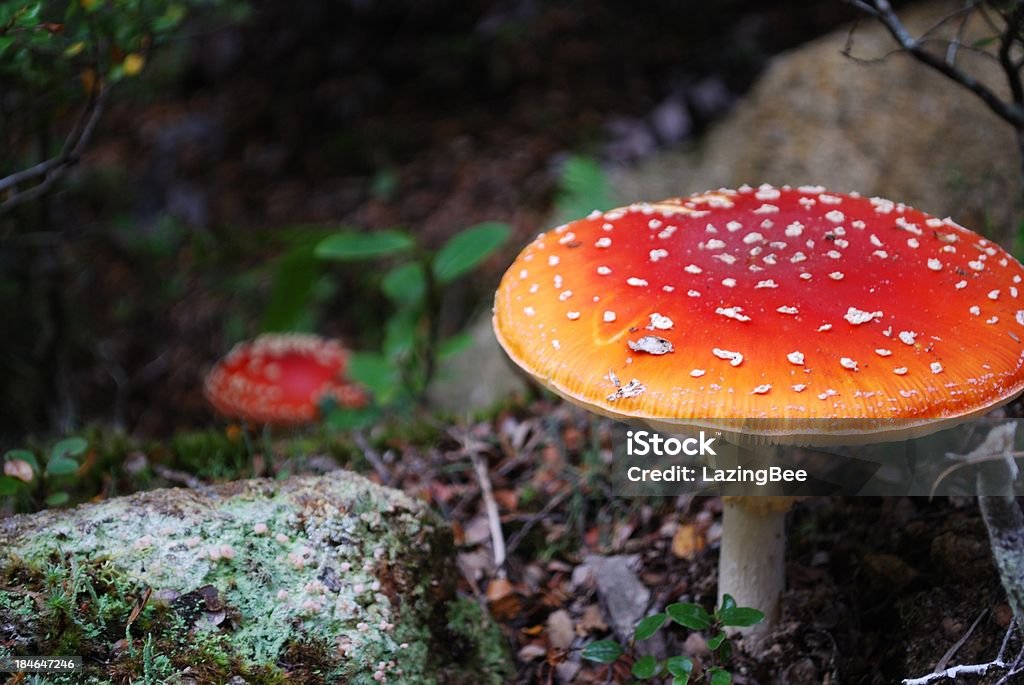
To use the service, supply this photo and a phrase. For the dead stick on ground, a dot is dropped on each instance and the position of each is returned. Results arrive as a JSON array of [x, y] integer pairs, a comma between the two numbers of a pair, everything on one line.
[[491, 506]]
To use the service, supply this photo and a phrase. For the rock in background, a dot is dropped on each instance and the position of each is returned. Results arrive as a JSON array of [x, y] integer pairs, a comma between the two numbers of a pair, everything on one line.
[[323, 579], [890, 127]]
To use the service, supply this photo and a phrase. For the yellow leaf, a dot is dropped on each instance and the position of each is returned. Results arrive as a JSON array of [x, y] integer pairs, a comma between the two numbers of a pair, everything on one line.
[[687, 541], [74, 49], [133, 63]]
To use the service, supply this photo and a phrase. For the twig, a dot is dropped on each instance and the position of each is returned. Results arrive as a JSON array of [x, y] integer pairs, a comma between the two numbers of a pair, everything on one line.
[[491, 506], [953, 672], [532, 521], [53, 170], [951, 652], [883, 12], [372, 456], [180, 477]]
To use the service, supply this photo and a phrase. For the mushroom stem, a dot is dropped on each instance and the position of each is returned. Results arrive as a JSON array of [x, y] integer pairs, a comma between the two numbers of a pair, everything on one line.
[[751, 564]]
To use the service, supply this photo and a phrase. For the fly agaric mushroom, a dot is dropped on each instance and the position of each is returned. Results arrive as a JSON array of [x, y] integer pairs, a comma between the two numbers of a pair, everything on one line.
[[780, 315], [281, 379]]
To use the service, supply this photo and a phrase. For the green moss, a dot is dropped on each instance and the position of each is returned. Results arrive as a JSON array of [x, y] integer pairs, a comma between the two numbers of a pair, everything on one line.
[[483, 647], [328, 579]]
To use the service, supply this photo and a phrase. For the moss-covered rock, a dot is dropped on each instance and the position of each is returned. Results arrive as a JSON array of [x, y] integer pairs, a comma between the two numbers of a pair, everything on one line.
[[311, 580]]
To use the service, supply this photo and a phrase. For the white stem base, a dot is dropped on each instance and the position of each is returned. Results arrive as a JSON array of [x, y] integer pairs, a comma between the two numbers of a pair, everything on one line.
[[751, 565]]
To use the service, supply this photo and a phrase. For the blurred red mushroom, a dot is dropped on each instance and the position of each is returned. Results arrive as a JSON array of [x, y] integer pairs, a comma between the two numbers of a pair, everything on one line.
[[281, 379]]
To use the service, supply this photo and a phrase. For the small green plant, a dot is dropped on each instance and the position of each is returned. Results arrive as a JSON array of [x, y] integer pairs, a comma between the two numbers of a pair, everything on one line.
[[680, 669], [583, 187], [414, 283], [23, 474]]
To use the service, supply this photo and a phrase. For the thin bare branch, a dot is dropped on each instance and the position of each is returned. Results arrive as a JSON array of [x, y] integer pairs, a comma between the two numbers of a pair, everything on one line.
[[881, 10], [52, 170]]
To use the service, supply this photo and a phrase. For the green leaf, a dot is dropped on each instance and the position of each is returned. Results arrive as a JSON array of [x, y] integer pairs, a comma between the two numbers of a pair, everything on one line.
[[717, 640], [467, 249], [57, 499], [343, 420], [400, 332], [71, 447], [9, 486], [375, 372], [62, 466], [405, 284], [727, 602], [584, 188], [291, 296], [740, 616], [23, 455], [720, 676], [602, 651], [679, 665], [693, 616], [349, 246], [645, 667], [649, 626], [681, 679], [455, 344]]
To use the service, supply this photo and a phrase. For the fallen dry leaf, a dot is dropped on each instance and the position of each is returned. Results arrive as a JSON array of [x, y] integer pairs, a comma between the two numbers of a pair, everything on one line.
[[591, 621], [687, 541], [560, 629]]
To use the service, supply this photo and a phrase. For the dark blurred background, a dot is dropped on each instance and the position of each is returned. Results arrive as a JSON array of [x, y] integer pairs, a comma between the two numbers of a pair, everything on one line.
[[254, 130]]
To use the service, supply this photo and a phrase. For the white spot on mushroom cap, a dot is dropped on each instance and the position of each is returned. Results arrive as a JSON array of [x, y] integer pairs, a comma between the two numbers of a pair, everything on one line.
[[529, 311], [715, 244], [636, 282], [766, 284], [732, 313], [565, 295], [631, 389], [787, 310], [603, 242], [800, 387], [729, 282], [936, 367], [795, 357], [651, 344], [907, 337], [835, 216], [655, 255], [848, 363], [693, 269], [976, 310], [603, 270], [697, 373], [761, 389], [883, 352], [609, 316], [836, 275], [734, 358], [993, 295], [859, 316], [934, 264], [553, 260], [572, 316], [659, 322]]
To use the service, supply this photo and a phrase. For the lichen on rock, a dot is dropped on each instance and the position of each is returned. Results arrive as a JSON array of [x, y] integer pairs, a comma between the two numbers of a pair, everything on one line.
[[324, 579]]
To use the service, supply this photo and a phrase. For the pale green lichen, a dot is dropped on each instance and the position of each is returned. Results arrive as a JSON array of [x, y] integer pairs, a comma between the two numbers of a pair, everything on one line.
[[334, 573]]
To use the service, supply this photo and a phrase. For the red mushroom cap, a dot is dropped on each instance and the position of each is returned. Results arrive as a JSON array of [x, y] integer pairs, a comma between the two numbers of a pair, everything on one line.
[[281, 379], [794, 314]]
